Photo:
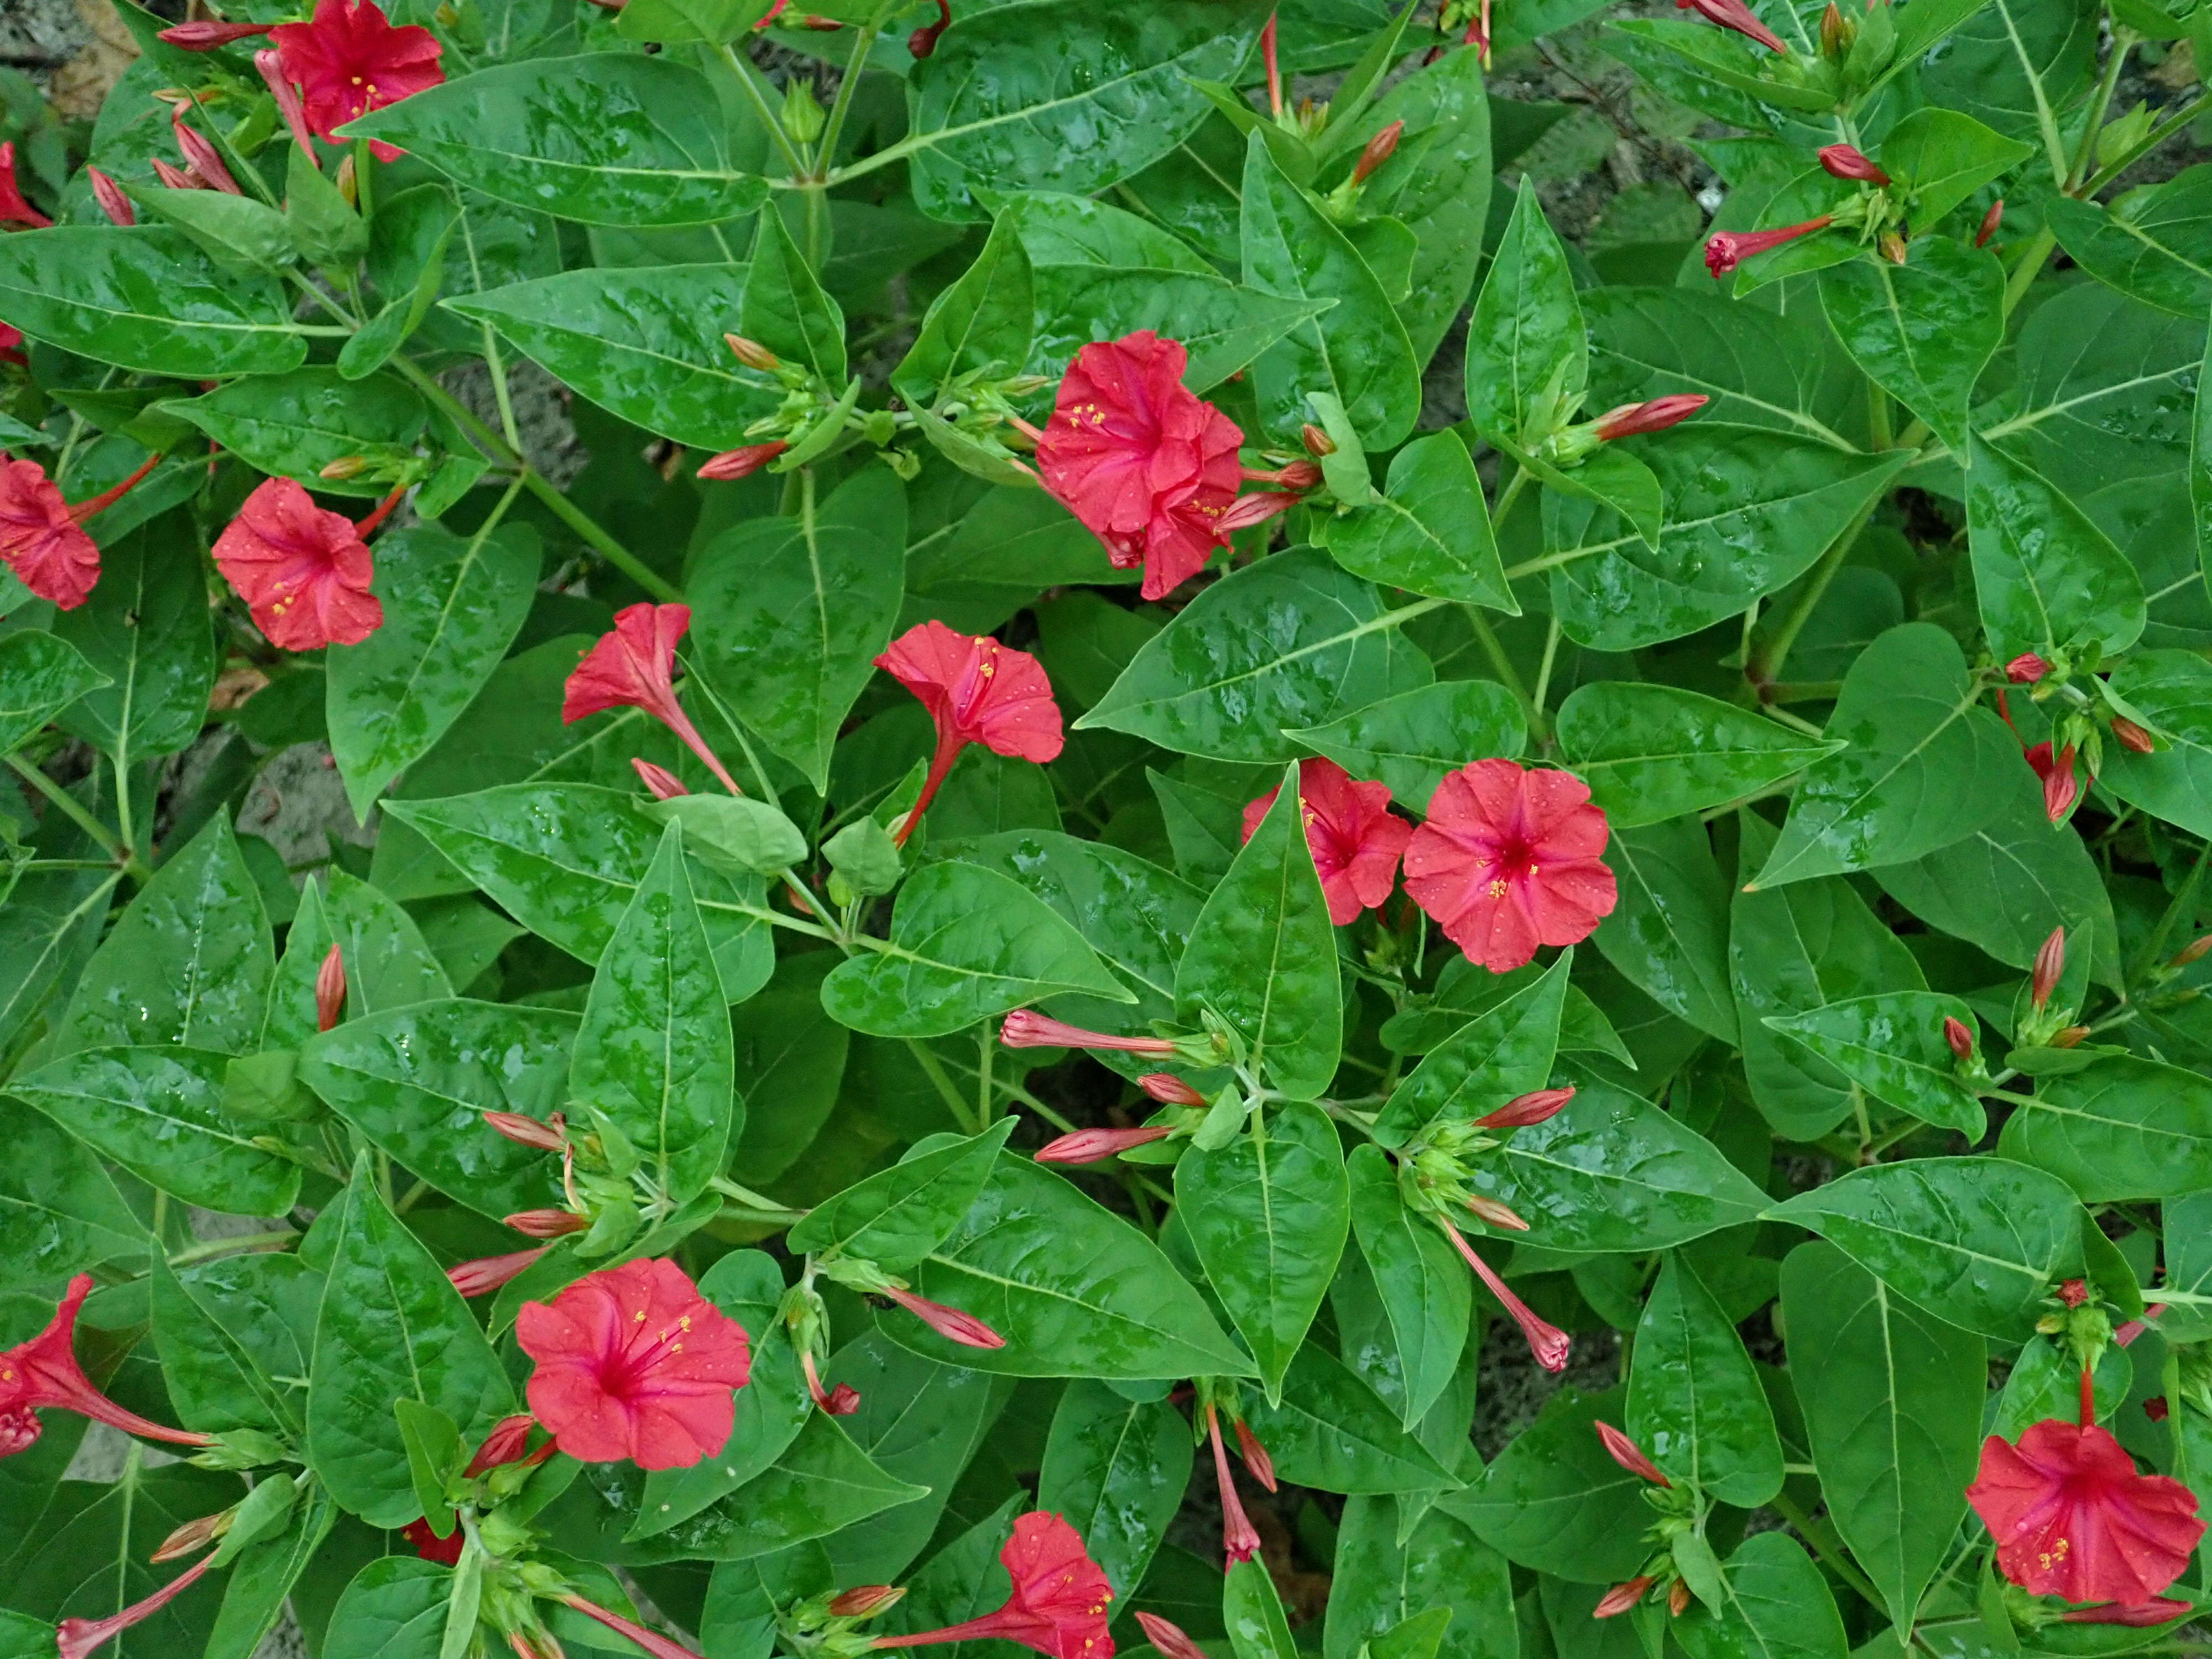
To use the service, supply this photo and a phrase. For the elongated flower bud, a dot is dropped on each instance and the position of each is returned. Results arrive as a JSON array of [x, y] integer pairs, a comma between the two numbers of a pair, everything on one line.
[[2025, 669], [547, 1224], [752, 354], [508, 1443], [2192, 951], [1737, 15], [1172, 1641], [202, 155], [1257, 507], [487, 1273], [1253, 1454], [1678, 1598], [269, 64], [176, 178], [1843, 162], [206, 35], [1497, 1214], [1621, 1597], [741, 463], [1524, 1110], [866, 1600], [664, 783], [948, 1322], [2132, 736], [1318, 443], [2071, 1037], [2159, 1610], [1546, 1341], [1630, 1455], [548, 1136], [1379, 151], [653, 1642], [1991, 221], [1654, 415], [1240, 1541], [1730, 248], [1273, 64], [330, 990], [193, 1537], [1961, 1039], [2050, 966], [119, 207], [1024, 1029], [1170, 1089], [1095, 1145], [2135, 1327]]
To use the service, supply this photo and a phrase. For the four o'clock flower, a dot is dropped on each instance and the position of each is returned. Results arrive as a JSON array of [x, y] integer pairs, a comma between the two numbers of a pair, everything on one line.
[[741, 463], [14, 209], [1095, 1145], [1239, 1541], [2050, 968], [1356, 840], [1546, 1341], [268, 64], [43, 1373], [1843, 162], [1509, 860], [1737, 15], [1621, 1597], [303, 571], [2060, 786], [976, 690], [659, 1646], [1059, 1601], [489, 1272], [1537, 1106], [347, 60], [1728, 249], [1025, 1029], [42, 537], [119, 207], [635, 668], [1171, 1639], [330, 989], [2073, 1518], [75, 1638], [951, 1323], [633, 1362], [1653, 415], [1630, 1455]]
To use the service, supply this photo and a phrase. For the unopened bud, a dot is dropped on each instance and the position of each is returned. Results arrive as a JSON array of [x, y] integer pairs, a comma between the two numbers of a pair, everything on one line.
[[841, 1402], [330, 990], [752, 354], [1317, 443], [2073, 1292], [113, 203], [1991, 221], [1843, 162], [1892, 247], [208, 36], [2025, 669], [1170, 1640], [1678, 1598], [1630, 1455], [923, 41], [194, 1535], [2192, 951], [2132, 736], [1623, 1596], [549, 1136], [1023, 1029], [866, 1600], [202, 155], [1653, 415], [346, 467], [487, 1273], [664, 783], [535, 1644], [1497, 1214], [176, 178], [741, 463], [1095, 1145], [954, 1324], [2071, 1037], [507, 1442], [1379, 151], [1834, 39], [547, 1224], [2050, 964], [1523, 1110], [1298, 475], [349, 186], [1255, 1454], [803, 118], [1170, 1089], [1961, 1039]]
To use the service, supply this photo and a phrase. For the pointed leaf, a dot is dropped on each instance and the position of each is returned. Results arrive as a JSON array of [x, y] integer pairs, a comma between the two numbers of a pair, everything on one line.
[[1654, 752], [2124, 1127], [1695, 1404], [1429, 531], [1893, 1046], [1412, 740], [2047, 579], [1504, 1051], [1668, 933], [1116, 1469], [1922, 330], [40, 674], [896, 1217], [1425, 1292], [1528, 355]]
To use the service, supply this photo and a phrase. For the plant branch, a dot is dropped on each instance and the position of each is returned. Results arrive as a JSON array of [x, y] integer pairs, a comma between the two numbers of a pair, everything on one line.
[[76, 811]]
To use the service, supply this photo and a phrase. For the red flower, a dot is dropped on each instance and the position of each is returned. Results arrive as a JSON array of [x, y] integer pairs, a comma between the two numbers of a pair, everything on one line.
[[349, 60], [76, 1638], [302, 570], [446, 1552], [14, 209], [41, 535], [1843, 162], [2059, 784], [1654, 415], [1357, 841], [1146, 465], [487, 1273], [1546, 1341], [1059, 1599], [633, 1362], [44, 1372], [1730, 248], [1024, 1029], [635, 668], [1508, 860], [1734, 15], [12, 345], [2073, 1518], [976, 690], [1095, 1145], [841, 1402]]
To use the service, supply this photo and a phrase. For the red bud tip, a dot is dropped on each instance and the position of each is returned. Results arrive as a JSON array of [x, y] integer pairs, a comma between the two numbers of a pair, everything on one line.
[[866, 1600], [1621, 1597], [1678, 1599], [2192, 951], [2071, 1037], [1379, 151], [202, 155], [487, 1273], [1274, 66], [193, 1537], [1170, 1089], [1656, 415], [1626, 1453], [1095, 1145], [1730, 248], [1961, 1039], [547, 1224], [2159, 1610], [741, 463], [923, 41], [269, 63], [330, 990], [508, 1443], [1255, 508], [1991, 221], [664, 783], [2157, 1410], [1737, 15], [1240, 1541], [1171, 1641], [1024, 1029], [1318, 443], [2073, 1292], [119, 207], [2132, 736], [1842, 161], [1495, 1214], [949, 1324], [176, 178], [1524, 1110], [752, 354], [547, 1136], [208, 36], [1255, 1454], [843, 1401], [2025, 669], [2050, 966]]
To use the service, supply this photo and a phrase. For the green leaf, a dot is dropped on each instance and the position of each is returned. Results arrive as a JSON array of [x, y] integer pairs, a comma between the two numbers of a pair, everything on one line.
[[1412, 740], [417, 1080], [1778, 1605], [40, 674], [394, 1608], [633, 341], [1922, 330], [983, 320], [226, 1331], [2047, 579], [1357, 352], [1746, 511], [1695, 1404], [1924, 765], [1116, 1468], [2172, 691], [262, 1578], [451, 610], [391, 1327], [1553, 1500], [1388, 1573], [1938, 157], [1252, 1613], [146, 627], [1668, 932], [158, 1112], [1289, 641], [785, 310], [1058, 95], [1654, 752], [48, 927], [1332, 1431], [1262, 956], [610, 138], [2122, 1127], [897, 1216], [190, 961], [1075, 1290], [1268, 1214], [1424, 1290], [147, 299], [1429, 531], [789, 615], [1223, 327], [294, 425], [1892, 1045], [683, 21], [741, 835], [1527, 355], [1759, 368], [654, 1053], [1892, 1403], [2154, 244], [1613, 1172], [1506, 1050], [387, 961], [58, 1210], [966, 943]]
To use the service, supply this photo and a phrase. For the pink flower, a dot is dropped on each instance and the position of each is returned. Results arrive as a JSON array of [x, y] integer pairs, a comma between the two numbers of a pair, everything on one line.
[[1059, 1601], [1356, 840], [14, 209], [1509, 860], [2073, 1518], [43, 1373], [1654, 415], [446, 1552], [976, 690], [949, 1324], [1095, 1145], [1240, 1541], [303, 571], [1546, 1341], [349, 60], [487, 1273], [633, 1362], [1843, 162], [41, 537], [1145, 464], [635, 668], [1024, 1029], [206, 36], [1734, 15], [1523, 1110], [1730, 248], [76, 1637], [1630, 1455]]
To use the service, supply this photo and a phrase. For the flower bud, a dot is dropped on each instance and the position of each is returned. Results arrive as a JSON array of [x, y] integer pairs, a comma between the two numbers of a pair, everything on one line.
[[951, 1323], [1255, 1454], [2071, 1037], [1172, 1641], [547, 1136], [1991, 221], [1961, 1039], [1730, 248], [752, 354], [547, 1224], [803, 117], [1318, 443], [1892, 247], [1630, 1455], [741, 463], [349, 184], [1621, 1597], [923, 41], [2050, 966], [176, 178], [2157, 1410], [2073, 1292], [1523, 1110], [207, 36], [194, 1535], [330, 990], [487, 1273], [202, 155], [113, 203], [1379, 151], [664, 783], [2132, 736], [537, 1644], [1170, 1089], [1095, 1145], [2192, 951], [2141, 1615], [269, 64], [1678, 1598], [1843, 162], [1654, 415], [1835, 33], [1737, 15], [866, 1600], [1024, 1029], [508, 1443], [2025, 669], [1497, 1214], [1255, 508]]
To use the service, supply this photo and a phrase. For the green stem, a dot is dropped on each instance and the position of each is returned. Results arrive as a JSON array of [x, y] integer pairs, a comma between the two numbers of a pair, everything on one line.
[[215, 1247], [1507, 497], [764, 1208], [1828, 1546], [833, 129], [1544, 669], [2030, 262], [2123, 41], [2150, 140], [499, 390], [2184, 903], [364, 164], [934, 1068], [742, 67], [1766, 665], [77, 813], [1539, 727]]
